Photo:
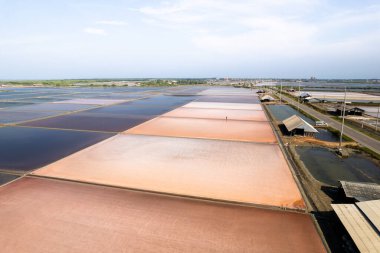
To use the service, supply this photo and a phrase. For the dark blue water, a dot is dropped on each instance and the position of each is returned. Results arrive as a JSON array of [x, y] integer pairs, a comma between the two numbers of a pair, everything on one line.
[[46, 107], [93, 121], [25, 149], [41, 100], [328, 168], [282, 112], [12, 104], [116, 118], [7, 117], [5, 178]]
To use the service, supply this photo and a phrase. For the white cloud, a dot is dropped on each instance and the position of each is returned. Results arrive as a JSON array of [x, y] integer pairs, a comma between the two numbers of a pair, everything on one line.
[[193, 11], [95, 31], [261, 28], [112, 22]]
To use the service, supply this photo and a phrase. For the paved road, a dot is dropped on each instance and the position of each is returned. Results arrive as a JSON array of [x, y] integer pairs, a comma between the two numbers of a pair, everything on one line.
[[359, 137]]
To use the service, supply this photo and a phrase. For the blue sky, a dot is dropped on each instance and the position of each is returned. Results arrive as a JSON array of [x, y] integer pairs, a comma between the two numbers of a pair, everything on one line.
[[189, 38]]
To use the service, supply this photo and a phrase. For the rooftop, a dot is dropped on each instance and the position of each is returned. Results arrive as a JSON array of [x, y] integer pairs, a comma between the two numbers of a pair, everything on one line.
[[371, 209], [361, 191], [296, 122], [267, 97], [359, 227]]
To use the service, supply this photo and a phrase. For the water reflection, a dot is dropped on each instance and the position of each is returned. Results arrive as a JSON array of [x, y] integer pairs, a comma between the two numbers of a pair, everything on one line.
[[327, 167]]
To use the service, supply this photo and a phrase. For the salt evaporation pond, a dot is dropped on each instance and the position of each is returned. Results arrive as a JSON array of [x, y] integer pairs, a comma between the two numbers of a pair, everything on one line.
[[328, 168]]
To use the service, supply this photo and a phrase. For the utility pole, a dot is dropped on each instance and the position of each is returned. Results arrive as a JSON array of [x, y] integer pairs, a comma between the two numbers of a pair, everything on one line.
[[281, 92], [343, 115], [299, 97], [377, 117]]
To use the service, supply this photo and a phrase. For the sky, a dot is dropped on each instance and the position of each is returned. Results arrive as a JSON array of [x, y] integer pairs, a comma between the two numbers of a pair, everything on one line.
[[63, 39]]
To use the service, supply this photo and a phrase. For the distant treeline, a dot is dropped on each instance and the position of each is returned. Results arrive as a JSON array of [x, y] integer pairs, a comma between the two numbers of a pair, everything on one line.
[[51, 82], [106, 82], [160, 82]]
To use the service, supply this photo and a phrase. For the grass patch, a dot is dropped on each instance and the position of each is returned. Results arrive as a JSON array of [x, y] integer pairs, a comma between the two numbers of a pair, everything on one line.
[[366, 150], [363, 130], [337, 133], [159, 82], [357, 128]]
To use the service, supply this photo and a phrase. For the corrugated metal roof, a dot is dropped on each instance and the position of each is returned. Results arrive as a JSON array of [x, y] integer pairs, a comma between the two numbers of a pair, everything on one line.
[[371, 209], [292, 122], [361, 191], [296, 122], [267, 97], [360, 230]]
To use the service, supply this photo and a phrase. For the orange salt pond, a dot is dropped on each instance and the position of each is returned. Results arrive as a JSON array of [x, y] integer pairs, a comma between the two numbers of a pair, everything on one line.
[[41, 215], [224, 170], [235, 130]]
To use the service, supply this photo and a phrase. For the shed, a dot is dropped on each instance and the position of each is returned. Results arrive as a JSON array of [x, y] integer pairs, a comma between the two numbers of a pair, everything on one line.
[[267, 98], [360, 191], [304, 95], [349, 110], [295, 125]]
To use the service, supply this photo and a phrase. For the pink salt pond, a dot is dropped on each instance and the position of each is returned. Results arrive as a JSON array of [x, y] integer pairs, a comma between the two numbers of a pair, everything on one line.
[[216, 105], [42, 215], [235, 130], [202, 113], [224, 170]]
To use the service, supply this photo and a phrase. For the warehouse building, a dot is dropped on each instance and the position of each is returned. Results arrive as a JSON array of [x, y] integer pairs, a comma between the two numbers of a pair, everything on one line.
[[349, 111], [295, 125]]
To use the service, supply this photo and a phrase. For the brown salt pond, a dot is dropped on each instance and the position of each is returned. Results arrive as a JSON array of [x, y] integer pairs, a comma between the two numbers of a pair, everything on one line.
[[202, 113], [43, 214], [224, 170], [235, 130], [215, 105]]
